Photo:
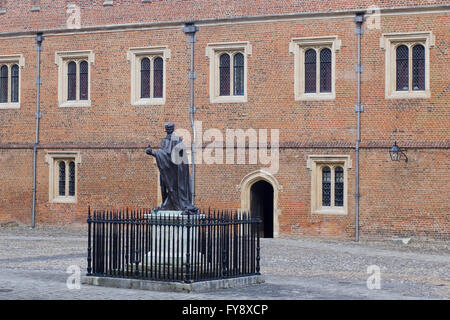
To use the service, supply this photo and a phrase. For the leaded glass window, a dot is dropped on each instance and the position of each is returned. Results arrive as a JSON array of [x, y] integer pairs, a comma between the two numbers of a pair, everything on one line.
[[402, 56], [326, 186], [339, 187], [325, 70], [158, 74], [310, 71], [418, 65], [145, 78], [72, 81], [239, 74], [71, 178], [84, 80], [224, 74], [4, 84], [15, 83], [62, 178]]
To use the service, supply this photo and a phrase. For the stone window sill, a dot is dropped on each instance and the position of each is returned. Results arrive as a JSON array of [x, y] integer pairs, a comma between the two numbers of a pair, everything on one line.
[[70, 104], [331, 210], [316, 96], [229, 99], [409, 95], [64, 200], [10, 105], [149, 102]]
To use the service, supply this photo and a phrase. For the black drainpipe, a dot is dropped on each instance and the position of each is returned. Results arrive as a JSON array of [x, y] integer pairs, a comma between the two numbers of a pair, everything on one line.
[[39, 39], [190, 29], [359, 19]]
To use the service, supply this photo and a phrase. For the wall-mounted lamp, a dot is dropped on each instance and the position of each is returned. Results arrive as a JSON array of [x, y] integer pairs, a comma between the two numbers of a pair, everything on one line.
[[397, 154]]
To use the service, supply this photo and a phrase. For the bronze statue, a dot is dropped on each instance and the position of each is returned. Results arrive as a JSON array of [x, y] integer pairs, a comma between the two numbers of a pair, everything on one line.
[[173, 167]]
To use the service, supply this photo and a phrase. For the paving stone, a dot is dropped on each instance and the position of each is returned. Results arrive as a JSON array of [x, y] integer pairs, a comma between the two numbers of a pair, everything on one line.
[[34, 262]]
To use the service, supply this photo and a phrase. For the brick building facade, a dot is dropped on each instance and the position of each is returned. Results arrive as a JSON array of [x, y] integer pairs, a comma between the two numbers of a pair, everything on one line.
[[97, 137]]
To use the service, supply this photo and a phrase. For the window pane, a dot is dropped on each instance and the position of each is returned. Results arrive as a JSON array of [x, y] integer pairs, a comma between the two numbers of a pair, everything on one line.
[[158, 74], [71, 178], [62, 178], [239, 74], [326, 186], [145, 78], [325, 70], [418, 80], [72, 81], [310, 71], [84, 80], [15, 83], [224, 75], [4, 84], [402, 68], [339, 187]]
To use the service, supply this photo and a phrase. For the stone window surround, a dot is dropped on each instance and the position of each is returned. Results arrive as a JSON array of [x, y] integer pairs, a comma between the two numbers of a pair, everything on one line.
[[11, 60], [36, 6], [298, 47], [315, 163], [134, 57], [389, 42], [62, 60], [213, 51], [52, 158]]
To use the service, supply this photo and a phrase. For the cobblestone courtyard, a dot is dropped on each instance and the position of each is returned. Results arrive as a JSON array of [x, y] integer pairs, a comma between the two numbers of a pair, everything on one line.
[[33, 265]]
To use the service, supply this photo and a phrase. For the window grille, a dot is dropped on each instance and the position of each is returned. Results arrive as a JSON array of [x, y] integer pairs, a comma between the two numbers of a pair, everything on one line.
[[145, 78], [62, 178], [158, 66], [418, 77], [402, 68], [224, 75], [326, 186], [325, 70], [239, 74], [72, 178], [310, 71], [339, 187], [72, 81], [84, 80], [15, 83], [4, 84]]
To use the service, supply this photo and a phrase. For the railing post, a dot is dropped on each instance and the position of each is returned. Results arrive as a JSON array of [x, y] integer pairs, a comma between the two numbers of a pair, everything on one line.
[[224, 243], [188, 251], [89, 258], [258, 248], [136, 242]]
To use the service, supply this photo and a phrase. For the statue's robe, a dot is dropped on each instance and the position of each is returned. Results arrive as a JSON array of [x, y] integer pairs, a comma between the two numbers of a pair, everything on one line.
[[174, 174]]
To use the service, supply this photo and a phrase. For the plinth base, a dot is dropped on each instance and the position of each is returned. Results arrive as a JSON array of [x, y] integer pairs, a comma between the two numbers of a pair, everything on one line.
[[201, 286]]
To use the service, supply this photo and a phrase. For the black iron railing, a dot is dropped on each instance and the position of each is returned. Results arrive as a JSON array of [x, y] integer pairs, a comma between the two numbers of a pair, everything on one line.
[[170, 247]]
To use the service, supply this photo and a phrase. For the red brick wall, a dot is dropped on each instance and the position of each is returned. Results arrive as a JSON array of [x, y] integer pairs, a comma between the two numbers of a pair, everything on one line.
[[396, 198], [53, 14]]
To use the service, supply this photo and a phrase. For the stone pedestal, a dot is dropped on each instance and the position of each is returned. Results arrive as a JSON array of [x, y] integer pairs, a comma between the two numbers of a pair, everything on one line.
[[169, 237]]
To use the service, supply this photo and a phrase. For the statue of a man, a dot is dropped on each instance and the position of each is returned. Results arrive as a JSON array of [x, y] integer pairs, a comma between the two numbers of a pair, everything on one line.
[[173, 167]]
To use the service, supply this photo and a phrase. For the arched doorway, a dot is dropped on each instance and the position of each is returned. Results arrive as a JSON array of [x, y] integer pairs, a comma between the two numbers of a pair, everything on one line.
[[245, 186], [261, 205]]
